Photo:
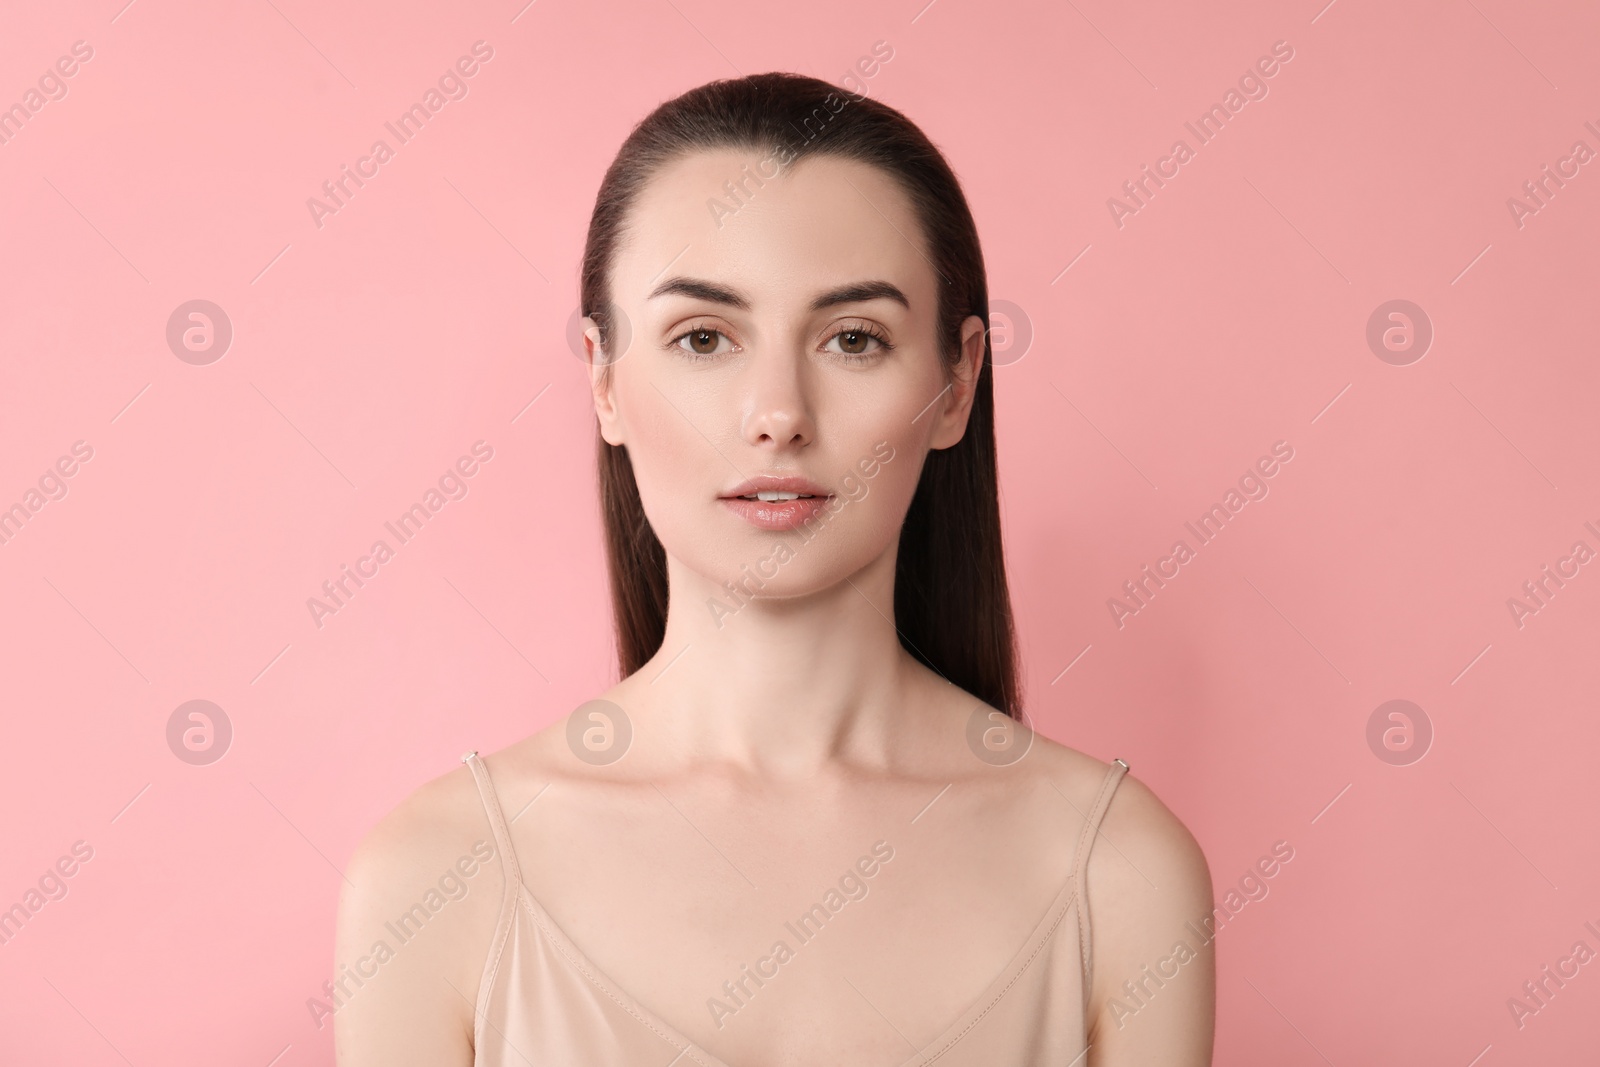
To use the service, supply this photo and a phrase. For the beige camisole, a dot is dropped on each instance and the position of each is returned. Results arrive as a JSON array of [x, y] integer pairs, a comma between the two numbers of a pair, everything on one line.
[[542, 1002]]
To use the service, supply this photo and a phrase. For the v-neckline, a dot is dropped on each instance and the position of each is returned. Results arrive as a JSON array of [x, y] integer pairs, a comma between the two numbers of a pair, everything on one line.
[[991, 995]]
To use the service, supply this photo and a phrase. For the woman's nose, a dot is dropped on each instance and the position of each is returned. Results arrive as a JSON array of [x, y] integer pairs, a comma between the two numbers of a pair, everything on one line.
[[779, 404]]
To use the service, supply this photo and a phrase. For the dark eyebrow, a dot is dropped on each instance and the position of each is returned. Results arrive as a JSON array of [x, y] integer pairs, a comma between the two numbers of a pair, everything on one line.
[[859, 292], [701, 290], [856, 292]]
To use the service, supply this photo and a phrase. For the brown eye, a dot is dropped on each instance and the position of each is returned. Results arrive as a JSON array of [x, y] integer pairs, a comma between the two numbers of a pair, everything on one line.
[[858, 345], [701, 342]]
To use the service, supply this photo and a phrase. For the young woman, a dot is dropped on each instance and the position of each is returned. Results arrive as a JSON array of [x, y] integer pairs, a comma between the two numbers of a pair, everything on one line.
[[809, 825]]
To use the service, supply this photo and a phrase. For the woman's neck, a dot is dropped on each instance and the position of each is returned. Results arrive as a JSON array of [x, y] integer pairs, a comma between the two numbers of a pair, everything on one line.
[[778, 688]]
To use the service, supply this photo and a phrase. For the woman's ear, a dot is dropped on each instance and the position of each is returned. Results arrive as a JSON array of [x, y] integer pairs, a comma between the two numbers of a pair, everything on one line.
[[963, 386], [602, 381]]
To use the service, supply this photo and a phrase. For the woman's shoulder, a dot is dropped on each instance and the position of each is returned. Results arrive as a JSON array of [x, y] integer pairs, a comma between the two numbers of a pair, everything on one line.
[[450, 811], [1039, 772], [418, 904], [436, 848], [442, 815], [1135, 820], [1148, 888]]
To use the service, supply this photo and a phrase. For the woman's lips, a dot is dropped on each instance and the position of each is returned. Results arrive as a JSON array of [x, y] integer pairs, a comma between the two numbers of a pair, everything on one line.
[[810, 500], [778, 514]]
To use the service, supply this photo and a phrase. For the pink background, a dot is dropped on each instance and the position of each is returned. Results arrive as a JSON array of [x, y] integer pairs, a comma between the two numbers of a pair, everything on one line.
[[369, 353]]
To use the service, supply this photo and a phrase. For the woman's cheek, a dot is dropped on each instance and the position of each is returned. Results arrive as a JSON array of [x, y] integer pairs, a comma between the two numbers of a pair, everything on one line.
[[897, 479], [669, 465], [881, 476]]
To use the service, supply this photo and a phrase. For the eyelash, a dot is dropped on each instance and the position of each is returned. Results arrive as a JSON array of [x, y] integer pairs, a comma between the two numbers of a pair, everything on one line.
[[849, 357]]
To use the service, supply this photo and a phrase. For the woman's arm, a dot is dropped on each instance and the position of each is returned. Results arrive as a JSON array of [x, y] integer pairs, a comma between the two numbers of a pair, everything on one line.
[[416, 914], [1153, 990]]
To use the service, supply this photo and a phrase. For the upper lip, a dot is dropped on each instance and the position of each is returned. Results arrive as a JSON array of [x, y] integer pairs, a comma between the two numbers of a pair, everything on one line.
[[769, 483]]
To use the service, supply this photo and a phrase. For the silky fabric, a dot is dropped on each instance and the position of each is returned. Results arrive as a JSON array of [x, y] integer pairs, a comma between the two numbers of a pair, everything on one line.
[[542, 1002]]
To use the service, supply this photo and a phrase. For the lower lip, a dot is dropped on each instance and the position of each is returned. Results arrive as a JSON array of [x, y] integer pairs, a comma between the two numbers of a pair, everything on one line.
[[777, 514]]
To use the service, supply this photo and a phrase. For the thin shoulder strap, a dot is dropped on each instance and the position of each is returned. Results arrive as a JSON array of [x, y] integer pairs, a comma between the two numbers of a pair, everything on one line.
[[513, 885], [1091, 828], [497, 820]]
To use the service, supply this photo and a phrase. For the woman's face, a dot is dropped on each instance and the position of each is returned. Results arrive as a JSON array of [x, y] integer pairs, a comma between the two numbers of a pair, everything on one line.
[[789, 333]]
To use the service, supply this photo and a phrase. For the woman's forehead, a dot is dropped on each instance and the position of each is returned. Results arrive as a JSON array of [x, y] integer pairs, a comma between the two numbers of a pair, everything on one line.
[[818, 223]]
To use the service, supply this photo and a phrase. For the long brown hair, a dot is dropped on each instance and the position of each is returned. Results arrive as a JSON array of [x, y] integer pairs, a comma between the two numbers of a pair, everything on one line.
[[951, 605]]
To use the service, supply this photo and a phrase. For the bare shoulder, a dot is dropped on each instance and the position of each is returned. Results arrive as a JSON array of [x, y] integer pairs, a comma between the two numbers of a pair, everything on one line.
[[438, 812], [1149, 834], [1148, 896], [417, 911], [1139, 825]]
